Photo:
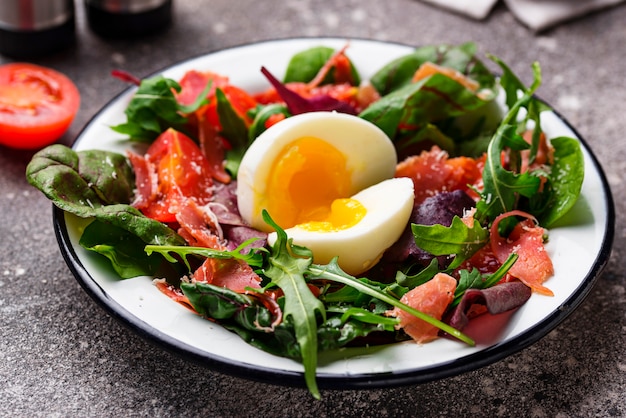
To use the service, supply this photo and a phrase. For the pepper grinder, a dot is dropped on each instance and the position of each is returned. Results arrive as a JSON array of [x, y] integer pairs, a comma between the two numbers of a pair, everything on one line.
[[31, 28], [128, 18]]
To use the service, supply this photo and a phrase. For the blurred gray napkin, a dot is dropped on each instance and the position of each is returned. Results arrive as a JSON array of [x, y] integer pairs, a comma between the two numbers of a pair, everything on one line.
[[542, 14], [477, 9], [538, 15]]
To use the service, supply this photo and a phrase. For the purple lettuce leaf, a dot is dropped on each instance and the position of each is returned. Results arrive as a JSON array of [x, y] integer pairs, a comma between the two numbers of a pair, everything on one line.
[[236, 231], [298, 104]]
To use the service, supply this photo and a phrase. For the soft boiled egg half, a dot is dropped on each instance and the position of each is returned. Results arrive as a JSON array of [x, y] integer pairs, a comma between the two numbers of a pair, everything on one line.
[[326, 178]]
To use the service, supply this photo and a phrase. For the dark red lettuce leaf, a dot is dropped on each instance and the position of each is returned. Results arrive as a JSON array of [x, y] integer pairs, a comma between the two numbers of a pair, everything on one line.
[[298, 104], [438, 209], [224, 206]]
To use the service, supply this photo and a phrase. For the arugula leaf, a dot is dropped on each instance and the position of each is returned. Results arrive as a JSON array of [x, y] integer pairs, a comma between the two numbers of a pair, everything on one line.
[[475, 280], [334, 273], [338, 331], [503, 187], [467, 280], [244, 315], [349, 295], [287, 265], [214, 301], [363, 315], [458, 239], [413, 280], [154, 108], [253, 258]]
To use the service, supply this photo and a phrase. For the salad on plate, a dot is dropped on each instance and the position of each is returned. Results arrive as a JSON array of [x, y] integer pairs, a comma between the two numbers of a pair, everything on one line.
[[328, 210]]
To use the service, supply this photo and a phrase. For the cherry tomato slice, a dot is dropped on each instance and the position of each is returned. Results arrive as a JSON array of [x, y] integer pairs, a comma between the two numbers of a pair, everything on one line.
[[194, 82], [181, 172], [37, 105]]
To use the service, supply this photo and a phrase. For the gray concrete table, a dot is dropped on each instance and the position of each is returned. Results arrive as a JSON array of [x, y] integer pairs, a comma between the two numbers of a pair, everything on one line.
[[62, 355]]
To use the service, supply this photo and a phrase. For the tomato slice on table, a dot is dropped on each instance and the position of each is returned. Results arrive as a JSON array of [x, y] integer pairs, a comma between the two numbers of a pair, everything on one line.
[[37, 105], [172, 171]]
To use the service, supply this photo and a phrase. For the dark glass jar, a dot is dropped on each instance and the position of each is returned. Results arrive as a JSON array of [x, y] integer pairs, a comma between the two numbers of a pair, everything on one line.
[[128, 18], [31, 28]]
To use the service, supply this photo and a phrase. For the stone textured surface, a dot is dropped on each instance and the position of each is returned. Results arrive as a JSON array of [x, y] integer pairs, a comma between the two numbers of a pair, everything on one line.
[[61, 355]]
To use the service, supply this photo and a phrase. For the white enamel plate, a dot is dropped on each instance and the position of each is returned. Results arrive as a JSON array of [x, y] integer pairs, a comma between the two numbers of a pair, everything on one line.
[[579, 247]]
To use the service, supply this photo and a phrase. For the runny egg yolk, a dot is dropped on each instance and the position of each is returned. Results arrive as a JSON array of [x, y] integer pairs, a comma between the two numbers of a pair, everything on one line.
[[344, 213], [308, 185]]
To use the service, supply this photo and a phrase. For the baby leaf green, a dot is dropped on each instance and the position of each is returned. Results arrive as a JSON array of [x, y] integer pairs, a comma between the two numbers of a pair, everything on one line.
[[234, 129], [287, 265], [304, 66], [122, 248], [566, 178], [80, 181], [154, 108]]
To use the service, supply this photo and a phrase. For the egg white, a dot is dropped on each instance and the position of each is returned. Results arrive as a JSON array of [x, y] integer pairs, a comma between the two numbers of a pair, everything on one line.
[[370, 155], [358, 248]]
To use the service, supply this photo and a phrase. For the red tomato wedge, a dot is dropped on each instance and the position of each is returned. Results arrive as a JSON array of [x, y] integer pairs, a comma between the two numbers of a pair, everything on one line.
[[172, 171], [431, 298], [206, 119], [37, 105], [534, 266], [194, 82]]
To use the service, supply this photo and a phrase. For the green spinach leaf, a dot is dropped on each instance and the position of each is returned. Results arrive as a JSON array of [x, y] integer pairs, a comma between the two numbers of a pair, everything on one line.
[[399, 72], [261, 116], [304, 66], [565, 179], [79, 182], [99, 184], [234, 129], [413, 106], [123, 249], [154, 108]]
